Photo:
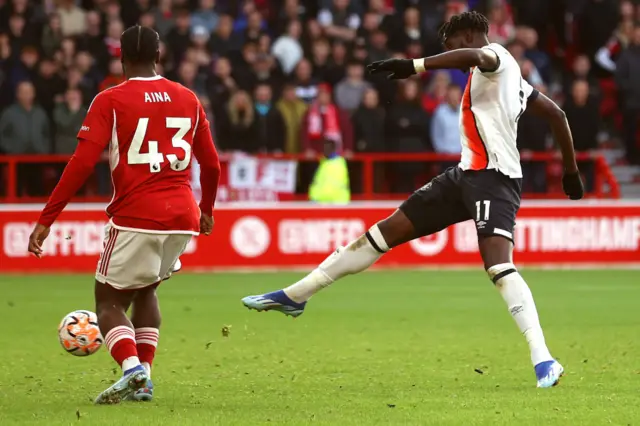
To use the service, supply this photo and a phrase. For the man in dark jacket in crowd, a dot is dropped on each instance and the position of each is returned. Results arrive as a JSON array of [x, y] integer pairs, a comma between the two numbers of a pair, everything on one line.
[[271, 128], [627, 72], [25, 129], [24, 126], [583, 116], [68, 117]]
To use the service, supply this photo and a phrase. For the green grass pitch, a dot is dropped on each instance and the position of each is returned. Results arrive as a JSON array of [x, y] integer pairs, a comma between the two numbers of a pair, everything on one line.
[[381, 348]]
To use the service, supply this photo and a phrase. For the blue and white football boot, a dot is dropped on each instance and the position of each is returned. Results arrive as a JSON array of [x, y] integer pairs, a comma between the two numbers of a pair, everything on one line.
[[143, 394], [275, 301], [131, 381], [548, 373]]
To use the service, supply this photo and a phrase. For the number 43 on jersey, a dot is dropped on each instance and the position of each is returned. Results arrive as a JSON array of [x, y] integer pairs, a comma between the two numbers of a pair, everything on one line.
[[153, 157]]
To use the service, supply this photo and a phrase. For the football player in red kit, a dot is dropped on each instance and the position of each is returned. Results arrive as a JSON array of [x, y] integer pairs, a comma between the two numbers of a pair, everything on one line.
[[151, 126]]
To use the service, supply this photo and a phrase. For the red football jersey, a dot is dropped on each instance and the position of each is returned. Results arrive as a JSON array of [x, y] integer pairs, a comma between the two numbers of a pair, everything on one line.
[[153, 127]]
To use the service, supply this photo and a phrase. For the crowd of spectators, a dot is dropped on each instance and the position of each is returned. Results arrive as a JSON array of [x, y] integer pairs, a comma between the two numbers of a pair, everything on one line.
[[285, 75]]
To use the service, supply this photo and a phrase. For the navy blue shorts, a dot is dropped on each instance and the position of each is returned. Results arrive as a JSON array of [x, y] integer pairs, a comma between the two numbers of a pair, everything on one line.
[[488, 197]]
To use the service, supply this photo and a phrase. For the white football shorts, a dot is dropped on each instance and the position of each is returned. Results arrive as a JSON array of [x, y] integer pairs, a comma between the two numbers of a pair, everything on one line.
[[132, 260]]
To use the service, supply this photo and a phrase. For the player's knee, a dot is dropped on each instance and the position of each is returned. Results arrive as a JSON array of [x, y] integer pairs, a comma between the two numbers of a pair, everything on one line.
[[495, 250], [357, 256], [498, 271], [396, 229]]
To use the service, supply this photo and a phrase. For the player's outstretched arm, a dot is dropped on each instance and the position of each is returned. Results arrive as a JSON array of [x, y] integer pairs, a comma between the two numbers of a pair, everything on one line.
[[464, 59], [74, 176], [544, 107], [93, 138]]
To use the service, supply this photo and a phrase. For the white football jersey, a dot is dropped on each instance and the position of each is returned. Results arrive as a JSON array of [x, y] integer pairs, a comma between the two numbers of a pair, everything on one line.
[[491, 106]]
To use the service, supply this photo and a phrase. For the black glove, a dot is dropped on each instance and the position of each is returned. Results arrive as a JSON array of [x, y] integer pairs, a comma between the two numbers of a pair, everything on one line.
[[572, 185], [395, 69]]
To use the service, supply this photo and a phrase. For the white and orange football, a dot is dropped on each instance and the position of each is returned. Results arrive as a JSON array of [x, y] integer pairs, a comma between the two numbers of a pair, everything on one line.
[[79, 333]]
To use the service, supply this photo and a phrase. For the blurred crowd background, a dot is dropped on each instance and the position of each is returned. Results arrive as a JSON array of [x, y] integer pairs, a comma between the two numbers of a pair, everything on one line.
[[283, 76]]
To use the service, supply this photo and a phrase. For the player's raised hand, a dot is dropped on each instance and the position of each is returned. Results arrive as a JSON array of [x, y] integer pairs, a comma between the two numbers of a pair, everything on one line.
[[572, 185], [206, 224], [36, 239], [395, 69]]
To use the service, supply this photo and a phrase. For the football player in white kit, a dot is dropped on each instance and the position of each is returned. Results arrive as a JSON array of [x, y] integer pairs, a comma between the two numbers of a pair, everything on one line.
[[485, 186]]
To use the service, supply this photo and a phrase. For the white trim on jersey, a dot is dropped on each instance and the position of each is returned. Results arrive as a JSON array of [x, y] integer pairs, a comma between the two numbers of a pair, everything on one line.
[[114, 146], [193, 136], [154, 78], [152, 231], [114, 156]]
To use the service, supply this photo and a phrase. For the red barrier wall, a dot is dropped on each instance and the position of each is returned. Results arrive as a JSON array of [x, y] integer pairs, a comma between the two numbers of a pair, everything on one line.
[[288, 235]]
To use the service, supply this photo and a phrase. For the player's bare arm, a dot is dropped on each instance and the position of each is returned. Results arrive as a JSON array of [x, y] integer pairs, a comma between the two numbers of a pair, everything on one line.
[[544, 107], [463, 59], [36, 239]]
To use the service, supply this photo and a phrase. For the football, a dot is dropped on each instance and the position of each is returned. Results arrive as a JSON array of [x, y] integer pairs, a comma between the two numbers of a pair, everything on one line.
[[79, 333]]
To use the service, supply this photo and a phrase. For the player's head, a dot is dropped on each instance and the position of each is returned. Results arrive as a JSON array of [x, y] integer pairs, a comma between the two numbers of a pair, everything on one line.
[[466, 30], [140, 49]]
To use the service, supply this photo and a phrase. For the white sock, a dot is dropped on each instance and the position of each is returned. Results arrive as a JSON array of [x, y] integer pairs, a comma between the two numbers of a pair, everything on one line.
[[130, 362], [126, 335], [147, 367], [517, 295], [357, 256]]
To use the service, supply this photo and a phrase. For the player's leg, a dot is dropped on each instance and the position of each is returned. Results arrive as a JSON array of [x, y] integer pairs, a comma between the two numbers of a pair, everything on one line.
[[111, 308], [494, 200], [146, 319], [428, 210], [355, 257], [146, 316], [119, 336], [497, 257], [129, 262]]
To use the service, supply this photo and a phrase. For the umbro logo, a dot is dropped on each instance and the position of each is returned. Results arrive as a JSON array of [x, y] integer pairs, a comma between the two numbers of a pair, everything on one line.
[[481, 224]]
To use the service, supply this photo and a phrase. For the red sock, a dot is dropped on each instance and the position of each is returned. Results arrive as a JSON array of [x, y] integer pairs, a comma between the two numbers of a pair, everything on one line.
[[146, 342], [121, 343]]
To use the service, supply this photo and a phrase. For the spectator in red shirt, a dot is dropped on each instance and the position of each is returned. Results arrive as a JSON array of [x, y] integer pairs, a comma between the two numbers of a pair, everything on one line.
[[114, 77], [112, 41], [325, 121], [436, 92]]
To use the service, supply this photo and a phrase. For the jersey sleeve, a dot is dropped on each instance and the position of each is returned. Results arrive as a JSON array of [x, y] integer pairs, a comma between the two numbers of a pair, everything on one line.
[[502, 54], [98, 123], [530, 94], [207, 156]]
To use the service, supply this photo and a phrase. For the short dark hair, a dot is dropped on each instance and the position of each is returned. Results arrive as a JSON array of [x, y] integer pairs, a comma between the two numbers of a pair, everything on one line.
[[473, 21], [139, 45]]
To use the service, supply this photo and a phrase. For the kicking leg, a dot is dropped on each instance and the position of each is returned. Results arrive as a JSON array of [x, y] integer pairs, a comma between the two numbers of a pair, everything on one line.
[[428, 210], [496, 253], [146, 321], [357, 256], [119, 335]]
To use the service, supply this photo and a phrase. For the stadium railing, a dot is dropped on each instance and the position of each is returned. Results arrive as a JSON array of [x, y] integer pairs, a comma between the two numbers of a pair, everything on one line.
[[605, 184]]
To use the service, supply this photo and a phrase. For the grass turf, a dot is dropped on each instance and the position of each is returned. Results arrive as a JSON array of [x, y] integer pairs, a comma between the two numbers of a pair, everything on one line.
[[396, 348]]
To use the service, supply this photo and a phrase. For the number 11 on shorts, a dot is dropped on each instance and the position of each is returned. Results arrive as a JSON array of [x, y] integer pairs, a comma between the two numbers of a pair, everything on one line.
[[487, 206]]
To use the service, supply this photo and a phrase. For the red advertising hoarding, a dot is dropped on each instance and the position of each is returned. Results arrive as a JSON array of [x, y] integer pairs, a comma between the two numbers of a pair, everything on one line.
[[293, 235]]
